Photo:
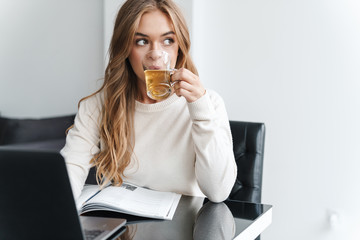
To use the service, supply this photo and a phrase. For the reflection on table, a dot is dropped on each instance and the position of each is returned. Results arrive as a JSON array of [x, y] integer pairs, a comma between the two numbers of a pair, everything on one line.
[[196, 218]]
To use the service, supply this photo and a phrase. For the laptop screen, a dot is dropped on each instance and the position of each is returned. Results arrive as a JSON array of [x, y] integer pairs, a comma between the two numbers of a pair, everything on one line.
[[36, 200]]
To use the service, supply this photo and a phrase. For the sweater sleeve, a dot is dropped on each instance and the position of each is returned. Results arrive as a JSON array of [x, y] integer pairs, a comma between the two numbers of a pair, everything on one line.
[[82, 143], [215, 166]]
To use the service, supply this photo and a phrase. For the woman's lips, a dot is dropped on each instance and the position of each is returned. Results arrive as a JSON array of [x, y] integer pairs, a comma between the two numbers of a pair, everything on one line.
[[154, 68]]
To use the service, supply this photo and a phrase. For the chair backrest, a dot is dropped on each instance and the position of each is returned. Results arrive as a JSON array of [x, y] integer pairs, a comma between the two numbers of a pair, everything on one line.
[[248, 145], [14, 131]]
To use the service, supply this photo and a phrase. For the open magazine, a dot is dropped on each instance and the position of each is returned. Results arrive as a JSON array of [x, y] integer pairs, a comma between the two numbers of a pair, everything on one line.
[[128, 199]]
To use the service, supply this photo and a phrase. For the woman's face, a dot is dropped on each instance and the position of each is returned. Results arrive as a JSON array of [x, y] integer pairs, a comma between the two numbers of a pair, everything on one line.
[[155, 32]]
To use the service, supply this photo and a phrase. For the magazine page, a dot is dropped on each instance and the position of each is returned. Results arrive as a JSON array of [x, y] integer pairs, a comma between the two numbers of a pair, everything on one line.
[[87, 192], [134, 200]]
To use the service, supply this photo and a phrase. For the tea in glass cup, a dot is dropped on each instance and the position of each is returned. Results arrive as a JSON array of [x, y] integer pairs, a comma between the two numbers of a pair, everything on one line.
[[157, 71]]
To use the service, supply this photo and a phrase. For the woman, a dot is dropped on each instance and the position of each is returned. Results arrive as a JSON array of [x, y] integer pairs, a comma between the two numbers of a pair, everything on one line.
[[181, 144]]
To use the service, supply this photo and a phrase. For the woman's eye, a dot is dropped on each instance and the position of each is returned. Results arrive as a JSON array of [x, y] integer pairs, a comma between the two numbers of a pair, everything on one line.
[[141, 42], [168, 41]]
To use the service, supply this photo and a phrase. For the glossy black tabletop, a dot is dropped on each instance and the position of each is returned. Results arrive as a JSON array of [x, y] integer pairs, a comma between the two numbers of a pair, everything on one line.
[[196, 218]]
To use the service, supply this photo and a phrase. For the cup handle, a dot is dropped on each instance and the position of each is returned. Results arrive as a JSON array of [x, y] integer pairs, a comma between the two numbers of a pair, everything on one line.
[[172, 70]]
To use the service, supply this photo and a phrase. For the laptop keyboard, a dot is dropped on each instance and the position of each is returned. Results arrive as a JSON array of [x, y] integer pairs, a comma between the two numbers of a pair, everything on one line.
[[92, 234]]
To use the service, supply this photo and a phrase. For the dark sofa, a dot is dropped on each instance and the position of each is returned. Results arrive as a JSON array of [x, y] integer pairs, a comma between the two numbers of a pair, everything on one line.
[[35, 133]]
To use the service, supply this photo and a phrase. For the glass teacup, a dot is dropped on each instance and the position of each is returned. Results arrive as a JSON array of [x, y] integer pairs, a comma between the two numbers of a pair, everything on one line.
[[157, 71]]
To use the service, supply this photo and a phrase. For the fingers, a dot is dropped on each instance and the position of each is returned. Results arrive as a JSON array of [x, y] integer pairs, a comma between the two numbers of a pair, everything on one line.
[[187, 85], [183, 89]]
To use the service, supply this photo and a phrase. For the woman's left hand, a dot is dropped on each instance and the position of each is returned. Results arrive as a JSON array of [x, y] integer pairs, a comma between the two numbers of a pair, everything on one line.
[[187, 84]]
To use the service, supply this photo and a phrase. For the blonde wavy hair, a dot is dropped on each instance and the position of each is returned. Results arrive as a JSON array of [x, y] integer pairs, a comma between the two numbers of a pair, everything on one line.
[[120, 86]]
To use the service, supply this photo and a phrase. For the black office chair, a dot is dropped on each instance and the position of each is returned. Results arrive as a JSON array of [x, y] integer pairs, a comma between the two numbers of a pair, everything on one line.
[[248, 145], [35, 133]]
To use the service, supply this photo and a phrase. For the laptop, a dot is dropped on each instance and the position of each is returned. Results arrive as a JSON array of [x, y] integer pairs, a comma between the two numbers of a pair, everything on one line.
[[36, 201]]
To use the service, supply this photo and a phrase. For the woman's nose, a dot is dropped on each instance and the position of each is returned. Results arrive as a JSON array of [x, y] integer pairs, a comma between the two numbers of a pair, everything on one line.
[[155, 54], [156, 46]]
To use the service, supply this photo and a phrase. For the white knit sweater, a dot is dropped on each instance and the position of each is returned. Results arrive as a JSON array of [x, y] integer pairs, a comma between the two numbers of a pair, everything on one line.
[[180, 147]]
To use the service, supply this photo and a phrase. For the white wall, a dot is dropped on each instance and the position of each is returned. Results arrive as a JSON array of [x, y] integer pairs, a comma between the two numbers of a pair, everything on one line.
[[293, 65], [111, 8], [50, 55]]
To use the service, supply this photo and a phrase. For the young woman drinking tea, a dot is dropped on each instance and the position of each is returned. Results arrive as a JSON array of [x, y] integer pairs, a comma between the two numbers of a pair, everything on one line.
[[181, 143]]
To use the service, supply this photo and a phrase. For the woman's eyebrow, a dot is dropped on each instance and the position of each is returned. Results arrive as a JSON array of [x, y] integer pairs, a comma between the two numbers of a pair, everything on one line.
[[144, 35], [167, 33], [141, 34]]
